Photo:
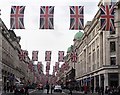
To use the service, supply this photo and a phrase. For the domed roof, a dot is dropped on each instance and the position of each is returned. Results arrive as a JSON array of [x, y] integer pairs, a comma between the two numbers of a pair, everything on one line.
[[69, 49], [78, 35]]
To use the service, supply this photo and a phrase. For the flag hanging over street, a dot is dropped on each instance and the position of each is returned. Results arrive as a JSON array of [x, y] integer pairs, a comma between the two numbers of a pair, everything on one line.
[[47, 66], [53, 73], [60, 56], [39, 66], [46, 17], [76, 17], [56, 66], [30, 65], [23, 54], [17, 17], [107, 17], [48, 56], [73, 57], [35, 56]]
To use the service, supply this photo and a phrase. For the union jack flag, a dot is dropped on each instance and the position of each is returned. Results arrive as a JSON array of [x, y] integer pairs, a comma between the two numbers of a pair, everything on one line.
[[48, 66], [46, 17], [56, 66], [23, 55], [107, 17], [76, 17], [30, 66], [48, 56], [39, 65], [74, 57], [35, 56], [17, 17], [60, 56]]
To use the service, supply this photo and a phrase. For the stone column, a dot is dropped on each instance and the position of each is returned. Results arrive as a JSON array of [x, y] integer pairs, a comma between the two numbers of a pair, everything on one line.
[[99, 81], [105, 79], [94, 83]]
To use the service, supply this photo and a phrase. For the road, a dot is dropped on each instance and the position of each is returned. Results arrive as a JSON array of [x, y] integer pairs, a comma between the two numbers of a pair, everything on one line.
[[43, 92], [38, 92]]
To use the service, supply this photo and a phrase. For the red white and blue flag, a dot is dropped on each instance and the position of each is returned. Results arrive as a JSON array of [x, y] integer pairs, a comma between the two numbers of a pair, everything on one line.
[[74, 56], [39, 66], [60, 56], [107, 17], [48, 56], [23, 54], [35, 56], [76, 17], [17, 17], [56, 66], [46, 17], [30, 66], [47, 66]]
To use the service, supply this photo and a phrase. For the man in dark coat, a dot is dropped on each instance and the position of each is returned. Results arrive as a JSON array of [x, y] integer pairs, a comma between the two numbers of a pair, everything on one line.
[[47, 87], [26, 89]]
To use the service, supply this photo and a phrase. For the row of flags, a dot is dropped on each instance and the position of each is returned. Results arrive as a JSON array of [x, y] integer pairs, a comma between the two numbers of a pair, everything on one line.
[[48, 56], [56, 67], [47, 17], [23, 54], [76, 17]]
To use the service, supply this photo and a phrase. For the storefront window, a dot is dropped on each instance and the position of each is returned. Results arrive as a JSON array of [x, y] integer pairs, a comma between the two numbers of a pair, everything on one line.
[[113, 79]]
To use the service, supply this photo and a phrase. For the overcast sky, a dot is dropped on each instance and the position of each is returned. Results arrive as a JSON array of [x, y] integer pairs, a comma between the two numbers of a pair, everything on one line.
[[59, 39]]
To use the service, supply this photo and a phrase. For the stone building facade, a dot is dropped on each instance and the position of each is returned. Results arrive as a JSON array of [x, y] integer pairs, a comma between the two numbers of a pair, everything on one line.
[[12, 68], [98, 52]]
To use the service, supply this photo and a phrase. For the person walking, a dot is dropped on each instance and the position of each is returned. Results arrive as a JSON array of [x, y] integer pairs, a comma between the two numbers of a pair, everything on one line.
[[26, 89], [70, 88], [47, 87], [52, 87], [5, 88], [85, 89]]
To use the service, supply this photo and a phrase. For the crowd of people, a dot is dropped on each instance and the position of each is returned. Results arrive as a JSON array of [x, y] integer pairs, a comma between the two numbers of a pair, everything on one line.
[[100, 90], [14, 89]]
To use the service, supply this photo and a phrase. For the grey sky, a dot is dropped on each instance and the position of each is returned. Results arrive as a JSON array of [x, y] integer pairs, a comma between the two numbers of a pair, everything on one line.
[[59, 39]]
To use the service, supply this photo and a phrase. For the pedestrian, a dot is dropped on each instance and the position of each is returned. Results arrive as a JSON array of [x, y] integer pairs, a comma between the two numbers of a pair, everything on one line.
[[102, 90], [5, 88], [8, 87], [70, 88], [52, 87], [106, 90], [26, 89], [47, 87], [92, 89], [85, 89]]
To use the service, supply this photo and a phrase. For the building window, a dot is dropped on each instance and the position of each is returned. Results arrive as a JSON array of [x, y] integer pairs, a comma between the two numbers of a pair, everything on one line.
[[112, 60], [112, 46]]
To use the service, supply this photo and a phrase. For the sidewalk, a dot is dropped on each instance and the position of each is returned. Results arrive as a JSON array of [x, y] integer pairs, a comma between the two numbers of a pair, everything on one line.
[[79, 92]]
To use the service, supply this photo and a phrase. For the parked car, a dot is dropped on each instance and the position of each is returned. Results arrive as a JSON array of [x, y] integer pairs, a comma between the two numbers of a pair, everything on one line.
[[58, 88]]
